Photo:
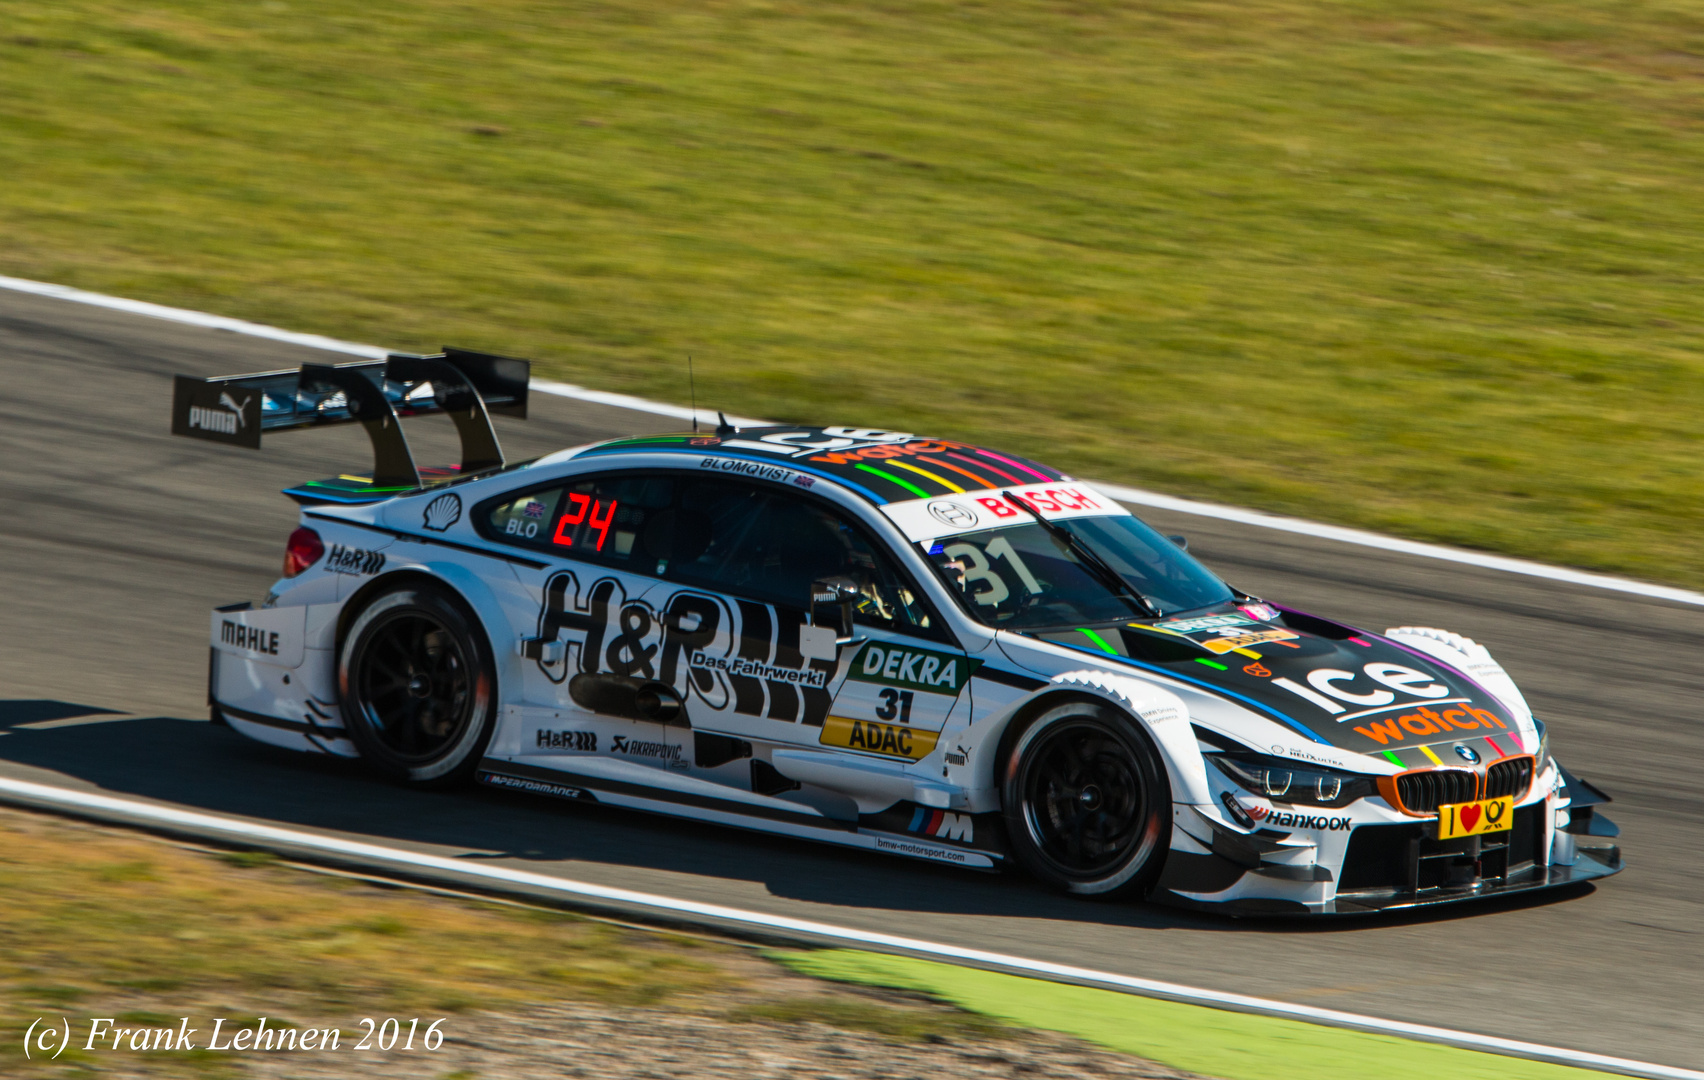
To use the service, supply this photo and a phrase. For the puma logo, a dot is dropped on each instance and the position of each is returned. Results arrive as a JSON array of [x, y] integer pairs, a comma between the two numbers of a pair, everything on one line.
[[230, 403]]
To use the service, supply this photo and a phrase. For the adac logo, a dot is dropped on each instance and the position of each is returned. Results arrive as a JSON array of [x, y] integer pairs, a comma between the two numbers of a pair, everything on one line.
[[875, 737]]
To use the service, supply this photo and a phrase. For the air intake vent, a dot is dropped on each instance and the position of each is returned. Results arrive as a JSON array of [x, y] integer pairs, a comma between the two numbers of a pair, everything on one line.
[[1424, 792], [1511, 776]]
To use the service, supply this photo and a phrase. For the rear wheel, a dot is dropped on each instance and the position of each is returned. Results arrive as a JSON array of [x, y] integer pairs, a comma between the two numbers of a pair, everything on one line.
[[1086, 801], [418, 686]]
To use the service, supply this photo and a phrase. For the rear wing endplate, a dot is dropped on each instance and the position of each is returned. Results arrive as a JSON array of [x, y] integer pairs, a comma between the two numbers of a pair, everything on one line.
[[468, 386]]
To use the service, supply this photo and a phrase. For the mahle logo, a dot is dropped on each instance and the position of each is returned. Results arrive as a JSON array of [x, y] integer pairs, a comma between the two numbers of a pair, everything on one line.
[[893, 664]]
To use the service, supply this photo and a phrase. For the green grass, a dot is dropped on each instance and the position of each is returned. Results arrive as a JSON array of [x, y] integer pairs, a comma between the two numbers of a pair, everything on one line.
[[1212, 1042], [1432, 268], [104, 922]]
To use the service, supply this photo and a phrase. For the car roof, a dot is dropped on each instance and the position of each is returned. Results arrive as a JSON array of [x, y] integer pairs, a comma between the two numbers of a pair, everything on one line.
[[882, 466]]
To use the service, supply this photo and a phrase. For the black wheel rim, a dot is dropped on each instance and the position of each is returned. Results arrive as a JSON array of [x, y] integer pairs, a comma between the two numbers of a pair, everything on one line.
[[1084, 798], [414, 686]]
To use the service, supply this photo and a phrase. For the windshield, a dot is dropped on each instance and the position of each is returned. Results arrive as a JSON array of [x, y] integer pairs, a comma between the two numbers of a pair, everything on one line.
[[1022, 577]]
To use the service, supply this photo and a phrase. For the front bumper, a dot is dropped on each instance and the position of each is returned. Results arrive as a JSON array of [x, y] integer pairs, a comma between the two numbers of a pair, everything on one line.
[[1387, 866]]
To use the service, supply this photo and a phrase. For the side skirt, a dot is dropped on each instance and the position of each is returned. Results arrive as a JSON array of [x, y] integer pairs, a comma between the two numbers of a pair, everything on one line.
[[564, 785]]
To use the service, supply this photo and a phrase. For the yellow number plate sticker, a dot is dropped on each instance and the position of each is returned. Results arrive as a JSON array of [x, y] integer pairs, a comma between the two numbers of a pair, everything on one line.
[[1473, 818], [875, 737]]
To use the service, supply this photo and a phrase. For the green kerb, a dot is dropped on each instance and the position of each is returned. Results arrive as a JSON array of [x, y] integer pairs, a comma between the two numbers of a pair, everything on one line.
[[1211, 1042]]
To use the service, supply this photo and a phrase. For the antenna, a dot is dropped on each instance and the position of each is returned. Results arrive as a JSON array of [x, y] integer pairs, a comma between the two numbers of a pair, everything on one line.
[[693, 389], [724, 429]]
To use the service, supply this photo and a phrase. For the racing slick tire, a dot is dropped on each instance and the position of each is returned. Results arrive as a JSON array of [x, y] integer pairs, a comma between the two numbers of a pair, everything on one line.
[[1086, 801], [417, 682]]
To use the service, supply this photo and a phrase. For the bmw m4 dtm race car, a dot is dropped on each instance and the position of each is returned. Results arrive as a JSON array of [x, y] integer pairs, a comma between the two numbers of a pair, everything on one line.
[[872, 639]]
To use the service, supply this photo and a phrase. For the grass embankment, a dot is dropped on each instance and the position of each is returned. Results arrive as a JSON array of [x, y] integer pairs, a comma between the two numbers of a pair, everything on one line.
[[1429, 268], [98, 922], [101, 922]]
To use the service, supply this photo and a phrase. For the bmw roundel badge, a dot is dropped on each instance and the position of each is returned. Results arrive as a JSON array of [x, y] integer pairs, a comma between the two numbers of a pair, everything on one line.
[[1467, 753]]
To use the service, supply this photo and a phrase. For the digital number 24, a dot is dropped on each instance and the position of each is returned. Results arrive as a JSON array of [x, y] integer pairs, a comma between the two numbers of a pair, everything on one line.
[[895, 703]]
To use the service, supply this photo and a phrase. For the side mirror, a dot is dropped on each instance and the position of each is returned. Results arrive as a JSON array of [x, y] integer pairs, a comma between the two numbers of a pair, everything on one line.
[[839, 592], [1180, 541]]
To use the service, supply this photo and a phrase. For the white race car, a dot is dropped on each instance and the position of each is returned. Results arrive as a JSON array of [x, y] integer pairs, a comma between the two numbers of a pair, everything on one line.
[[870, 639]]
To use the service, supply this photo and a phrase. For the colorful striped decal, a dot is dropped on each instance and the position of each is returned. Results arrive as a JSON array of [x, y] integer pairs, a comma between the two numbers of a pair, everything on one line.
[[980, 481], [1039, 475], [782, 463], [926, 820], [1435, 759], [1394, 759], [996, 470], [926, 474], [941, 469], [892, 479]]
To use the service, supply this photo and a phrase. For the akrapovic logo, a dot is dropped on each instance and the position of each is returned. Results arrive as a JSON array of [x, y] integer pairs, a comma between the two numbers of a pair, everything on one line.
[[667, 752], [225, 420], [252, 638]]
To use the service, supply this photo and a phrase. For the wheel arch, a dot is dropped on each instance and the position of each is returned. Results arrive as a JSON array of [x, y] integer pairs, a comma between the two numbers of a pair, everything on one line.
[[468, 589], [1161, 714]]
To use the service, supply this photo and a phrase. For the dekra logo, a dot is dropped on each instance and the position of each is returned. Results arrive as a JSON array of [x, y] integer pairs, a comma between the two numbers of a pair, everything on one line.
[[918, 669]]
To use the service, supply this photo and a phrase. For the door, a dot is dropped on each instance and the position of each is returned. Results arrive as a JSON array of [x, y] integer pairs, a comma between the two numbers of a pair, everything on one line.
[[747, 560], [590, 611]]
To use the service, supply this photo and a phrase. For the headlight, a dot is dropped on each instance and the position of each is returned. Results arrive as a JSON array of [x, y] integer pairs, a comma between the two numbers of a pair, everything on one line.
[[1285, 782]]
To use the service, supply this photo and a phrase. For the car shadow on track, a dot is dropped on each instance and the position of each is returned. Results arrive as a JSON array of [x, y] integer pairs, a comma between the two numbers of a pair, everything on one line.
[[195, 764]]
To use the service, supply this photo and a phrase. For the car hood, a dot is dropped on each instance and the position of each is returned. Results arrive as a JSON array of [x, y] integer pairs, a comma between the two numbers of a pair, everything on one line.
[[1357, 691]]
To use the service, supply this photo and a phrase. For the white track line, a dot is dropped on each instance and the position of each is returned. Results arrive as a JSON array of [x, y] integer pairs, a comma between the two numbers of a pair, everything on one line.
[[1124, 494], [1392, 543], [149, 814], [193, 318]]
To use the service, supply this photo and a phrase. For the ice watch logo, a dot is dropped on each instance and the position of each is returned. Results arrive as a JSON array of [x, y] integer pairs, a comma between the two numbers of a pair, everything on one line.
[[915, 669]]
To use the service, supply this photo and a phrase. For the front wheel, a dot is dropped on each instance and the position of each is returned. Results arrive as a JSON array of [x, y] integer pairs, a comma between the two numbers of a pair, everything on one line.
[[1086, 800], [418, 687]]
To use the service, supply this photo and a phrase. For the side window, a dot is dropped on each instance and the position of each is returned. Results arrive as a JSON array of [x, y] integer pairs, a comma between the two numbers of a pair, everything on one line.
[[615, 519], [736, 538]]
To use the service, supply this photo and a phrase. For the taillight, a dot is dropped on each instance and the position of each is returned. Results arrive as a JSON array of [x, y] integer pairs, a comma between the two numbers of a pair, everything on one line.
[[301, 551]]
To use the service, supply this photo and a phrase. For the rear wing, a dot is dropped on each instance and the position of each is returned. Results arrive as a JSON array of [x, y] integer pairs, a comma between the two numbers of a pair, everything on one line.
[[467, 386]]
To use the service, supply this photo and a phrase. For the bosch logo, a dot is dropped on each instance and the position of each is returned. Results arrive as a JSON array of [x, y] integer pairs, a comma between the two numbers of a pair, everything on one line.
[[952, 514]]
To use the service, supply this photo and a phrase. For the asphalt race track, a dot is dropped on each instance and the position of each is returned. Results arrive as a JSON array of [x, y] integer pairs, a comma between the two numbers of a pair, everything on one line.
[[116, 539]]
